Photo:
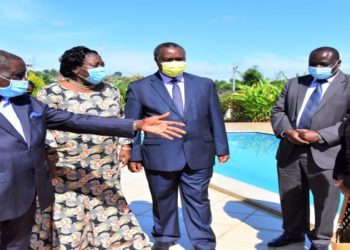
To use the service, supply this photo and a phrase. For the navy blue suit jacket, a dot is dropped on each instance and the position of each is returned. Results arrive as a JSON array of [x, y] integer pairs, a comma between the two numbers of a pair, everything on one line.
[[23, 169], [206, 135]]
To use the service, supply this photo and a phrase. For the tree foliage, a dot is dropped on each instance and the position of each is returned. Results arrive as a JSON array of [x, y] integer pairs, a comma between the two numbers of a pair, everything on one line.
[[36, 80], [252, 76]]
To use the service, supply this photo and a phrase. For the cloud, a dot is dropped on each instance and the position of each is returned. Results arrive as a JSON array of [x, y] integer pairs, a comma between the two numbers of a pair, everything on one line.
[[271, 64], [58, 23], [16, 11], [132, 62], [137, 62]]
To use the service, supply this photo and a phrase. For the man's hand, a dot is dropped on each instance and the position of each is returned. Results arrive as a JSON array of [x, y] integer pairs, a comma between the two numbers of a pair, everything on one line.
[[157, 125], [135, 166], [293, 136], [308, 135], [340, 184], [125, 154], [223, 158]]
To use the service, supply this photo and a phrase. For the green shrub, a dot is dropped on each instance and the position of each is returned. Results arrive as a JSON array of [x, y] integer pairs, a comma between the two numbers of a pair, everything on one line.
[[256, 101], [37, 80]]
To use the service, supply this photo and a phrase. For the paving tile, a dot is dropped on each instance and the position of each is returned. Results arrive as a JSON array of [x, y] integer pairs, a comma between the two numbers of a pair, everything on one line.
[[227, 218], [264, 222], [228, 205]]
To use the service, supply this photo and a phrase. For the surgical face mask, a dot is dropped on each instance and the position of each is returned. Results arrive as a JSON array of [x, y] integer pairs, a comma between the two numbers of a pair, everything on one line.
[[15, 88], [173, 68], [321, 73], [96, 75]]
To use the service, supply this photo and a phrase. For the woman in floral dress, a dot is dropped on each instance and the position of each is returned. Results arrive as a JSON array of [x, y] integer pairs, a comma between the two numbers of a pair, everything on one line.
[[90, 211]]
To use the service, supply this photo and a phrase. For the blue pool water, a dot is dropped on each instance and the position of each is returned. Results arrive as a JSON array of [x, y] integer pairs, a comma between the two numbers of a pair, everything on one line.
[[252, 160]]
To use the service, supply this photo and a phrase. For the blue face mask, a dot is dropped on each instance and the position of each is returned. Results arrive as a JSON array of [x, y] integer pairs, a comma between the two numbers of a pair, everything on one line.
[[321, 73], [96, 75], [15, 88]]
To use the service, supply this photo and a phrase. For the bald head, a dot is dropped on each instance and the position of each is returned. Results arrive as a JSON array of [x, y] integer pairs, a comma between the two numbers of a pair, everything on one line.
[[6, 57], [11, 67], [324, 56]]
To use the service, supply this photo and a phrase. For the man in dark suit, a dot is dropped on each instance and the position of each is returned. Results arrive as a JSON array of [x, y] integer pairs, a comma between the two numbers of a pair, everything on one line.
[[24, 173], [185, 164], [307, 117]]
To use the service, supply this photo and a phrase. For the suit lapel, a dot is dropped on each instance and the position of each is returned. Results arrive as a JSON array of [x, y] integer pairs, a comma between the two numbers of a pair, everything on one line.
[[303, 86], [189, 91], [22, 112], [334, 86], [5, 124], [160, 88]]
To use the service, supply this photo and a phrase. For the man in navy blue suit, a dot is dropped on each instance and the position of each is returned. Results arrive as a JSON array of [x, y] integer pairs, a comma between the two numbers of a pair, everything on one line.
[[187, 163], [24, 173]]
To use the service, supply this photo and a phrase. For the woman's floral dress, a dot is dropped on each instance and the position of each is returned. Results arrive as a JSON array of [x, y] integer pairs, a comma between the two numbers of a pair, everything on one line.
[[90, 211]]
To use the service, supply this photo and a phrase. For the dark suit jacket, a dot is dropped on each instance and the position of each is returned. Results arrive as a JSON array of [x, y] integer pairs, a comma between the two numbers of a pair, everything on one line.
[[23, 168], [206, 135], [332, 111]]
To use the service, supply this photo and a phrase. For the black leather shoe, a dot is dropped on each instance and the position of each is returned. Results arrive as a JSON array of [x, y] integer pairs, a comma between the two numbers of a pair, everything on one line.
[[318, 247], [284, 240], [162, 245]]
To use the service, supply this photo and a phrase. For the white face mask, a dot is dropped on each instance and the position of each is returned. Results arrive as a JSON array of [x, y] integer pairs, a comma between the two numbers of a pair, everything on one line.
[[96, 75], [322, 73], [15, 88]]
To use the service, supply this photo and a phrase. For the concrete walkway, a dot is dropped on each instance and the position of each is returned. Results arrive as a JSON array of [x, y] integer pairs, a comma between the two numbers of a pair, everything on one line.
[[238, 225]]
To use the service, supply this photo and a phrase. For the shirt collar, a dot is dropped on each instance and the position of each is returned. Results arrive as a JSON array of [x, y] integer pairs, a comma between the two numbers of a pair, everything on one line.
[[167, 79]]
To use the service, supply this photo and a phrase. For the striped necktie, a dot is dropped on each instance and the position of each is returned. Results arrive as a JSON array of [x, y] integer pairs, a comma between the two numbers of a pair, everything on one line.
[[311, 106], [177, 98]]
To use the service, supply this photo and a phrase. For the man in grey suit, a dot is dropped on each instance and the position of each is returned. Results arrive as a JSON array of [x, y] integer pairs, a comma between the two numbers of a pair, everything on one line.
[[307, 117], [24, 173]]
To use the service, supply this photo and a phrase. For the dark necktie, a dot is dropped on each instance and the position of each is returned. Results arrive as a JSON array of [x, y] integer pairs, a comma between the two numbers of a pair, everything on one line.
[[177, 98], [311, 106]]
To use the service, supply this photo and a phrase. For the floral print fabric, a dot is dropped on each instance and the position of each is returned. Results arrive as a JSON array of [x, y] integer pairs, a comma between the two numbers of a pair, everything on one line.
[[90, 211]]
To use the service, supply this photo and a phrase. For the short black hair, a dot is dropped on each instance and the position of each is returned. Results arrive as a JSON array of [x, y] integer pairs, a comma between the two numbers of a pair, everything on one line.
[[167, 45], [73, 58], [335, 51]]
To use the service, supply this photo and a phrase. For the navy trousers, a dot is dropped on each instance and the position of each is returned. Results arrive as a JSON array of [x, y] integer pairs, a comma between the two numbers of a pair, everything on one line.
[[193, 186], [15, 233]]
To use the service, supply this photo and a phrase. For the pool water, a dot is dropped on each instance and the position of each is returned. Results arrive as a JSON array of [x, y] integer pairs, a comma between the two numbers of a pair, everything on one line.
[[252, 160]]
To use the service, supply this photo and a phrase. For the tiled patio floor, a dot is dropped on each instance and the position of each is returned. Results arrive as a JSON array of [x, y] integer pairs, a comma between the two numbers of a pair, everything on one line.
[[237, 225]]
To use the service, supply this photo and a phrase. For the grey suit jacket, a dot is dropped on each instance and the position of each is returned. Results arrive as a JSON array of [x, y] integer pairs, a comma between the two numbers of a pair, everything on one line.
[[332, 111]]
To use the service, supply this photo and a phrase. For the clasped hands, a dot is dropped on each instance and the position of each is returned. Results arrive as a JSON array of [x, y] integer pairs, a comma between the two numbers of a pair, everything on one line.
[[301, 136]]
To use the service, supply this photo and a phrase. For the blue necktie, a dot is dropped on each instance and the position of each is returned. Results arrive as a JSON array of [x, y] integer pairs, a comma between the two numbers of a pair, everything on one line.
[[177, 98], [311, 106]]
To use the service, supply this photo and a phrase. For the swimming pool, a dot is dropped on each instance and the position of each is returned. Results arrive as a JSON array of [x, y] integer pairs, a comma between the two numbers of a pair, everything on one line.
[[252, 160]]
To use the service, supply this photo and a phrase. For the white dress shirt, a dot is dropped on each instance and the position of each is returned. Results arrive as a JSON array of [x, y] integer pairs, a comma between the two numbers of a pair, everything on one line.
[[169, 85], [309, 91], [8, 112]]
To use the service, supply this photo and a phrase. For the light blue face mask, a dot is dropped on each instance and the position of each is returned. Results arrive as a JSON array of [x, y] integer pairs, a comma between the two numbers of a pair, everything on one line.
[[96, 75], [321, 73], [15, 88]]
